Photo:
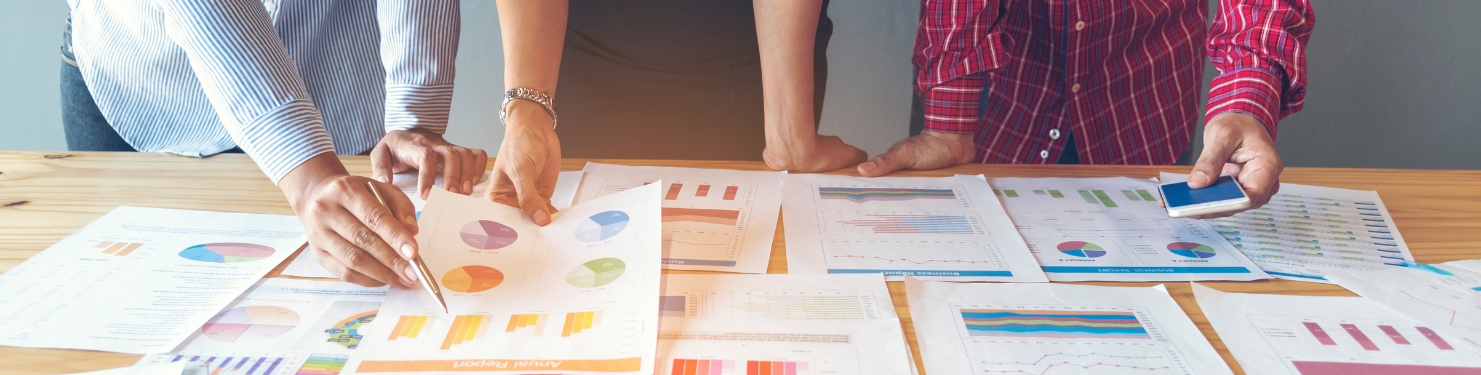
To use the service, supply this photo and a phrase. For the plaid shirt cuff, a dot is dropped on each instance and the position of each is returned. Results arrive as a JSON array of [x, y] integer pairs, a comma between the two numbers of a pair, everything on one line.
[[952, 107], [1253, 91]]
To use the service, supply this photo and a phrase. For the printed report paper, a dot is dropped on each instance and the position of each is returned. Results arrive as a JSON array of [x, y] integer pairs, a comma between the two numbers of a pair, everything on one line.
[[807, 297], [713, 219], [579, 295], [1279, 334], [1444, 297], [1055, 328], [304, 265], [947, 228], [140, 280], [782, 347], [1306, 232], [312, 318], [1112, 229]]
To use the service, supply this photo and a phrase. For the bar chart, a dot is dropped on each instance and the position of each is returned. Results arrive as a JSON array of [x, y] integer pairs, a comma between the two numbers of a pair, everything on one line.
[[237, 363], [580, 321], [534, 322], [412, 326], [117, 248], [466, 328], [1336, 346]]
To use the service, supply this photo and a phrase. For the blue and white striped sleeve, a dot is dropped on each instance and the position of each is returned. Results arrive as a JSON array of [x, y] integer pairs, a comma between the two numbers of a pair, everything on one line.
[[249, 79], [419, 46]]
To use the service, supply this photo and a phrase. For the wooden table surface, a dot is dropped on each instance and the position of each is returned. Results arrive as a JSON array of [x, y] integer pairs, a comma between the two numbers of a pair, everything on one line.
[[45, 196]]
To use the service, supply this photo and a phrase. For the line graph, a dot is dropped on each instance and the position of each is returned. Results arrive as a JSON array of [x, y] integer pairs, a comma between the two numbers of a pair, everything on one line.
[[1038, 357], [1053, 324], [700, 248], [911, 255], [888, 222], [1453, 313]]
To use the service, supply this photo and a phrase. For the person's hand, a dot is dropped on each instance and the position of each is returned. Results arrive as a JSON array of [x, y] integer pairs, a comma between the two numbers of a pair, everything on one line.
[[429, 153], [529, 162], [1237, 144], [927, 150], [821, 153], [353, 235]]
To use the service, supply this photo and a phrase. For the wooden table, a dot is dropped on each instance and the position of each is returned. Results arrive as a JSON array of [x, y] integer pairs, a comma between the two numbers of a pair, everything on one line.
[[45, 196]]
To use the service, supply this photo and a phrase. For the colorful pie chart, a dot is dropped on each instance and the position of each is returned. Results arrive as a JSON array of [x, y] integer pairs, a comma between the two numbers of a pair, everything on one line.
[[1191, 250], [226, 252], [488, 235], [601, 226], [596, 273], [250, 323], [1082, 249], [472, 279]]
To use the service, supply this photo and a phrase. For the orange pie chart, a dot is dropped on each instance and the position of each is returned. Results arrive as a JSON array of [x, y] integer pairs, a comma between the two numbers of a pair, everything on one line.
[[472, 279]]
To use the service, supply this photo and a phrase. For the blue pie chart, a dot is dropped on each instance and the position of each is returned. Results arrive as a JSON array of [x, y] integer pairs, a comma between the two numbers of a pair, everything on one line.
[[601, 226]]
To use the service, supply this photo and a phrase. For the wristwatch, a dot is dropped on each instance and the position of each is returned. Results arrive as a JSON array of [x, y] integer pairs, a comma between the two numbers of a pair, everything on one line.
[[527, 94]]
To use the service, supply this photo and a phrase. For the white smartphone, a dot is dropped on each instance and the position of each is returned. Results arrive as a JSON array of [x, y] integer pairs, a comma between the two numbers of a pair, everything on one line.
[[1225, 195]]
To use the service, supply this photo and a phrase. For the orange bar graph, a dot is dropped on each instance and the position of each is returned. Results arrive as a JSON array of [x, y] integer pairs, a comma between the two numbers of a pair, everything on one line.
[[518, 321], [410, 326], [579, 321], [117, 248], [465, 328]]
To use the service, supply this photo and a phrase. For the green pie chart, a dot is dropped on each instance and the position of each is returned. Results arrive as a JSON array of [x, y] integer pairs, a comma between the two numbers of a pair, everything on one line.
[[596, 273]]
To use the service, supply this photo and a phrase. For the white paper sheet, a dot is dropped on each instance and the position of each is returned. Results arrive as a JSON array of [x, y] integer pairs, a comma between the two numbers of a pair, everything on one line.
[[811, 297], [1041, 328], [714, 219], [233, 363], [1445, 297], [1309, 231], [312, 318], [1111, 229], [1277, 334], [947, 228], [177, 368], [784, 347], [140, 280], [565, 190], [515, 290]]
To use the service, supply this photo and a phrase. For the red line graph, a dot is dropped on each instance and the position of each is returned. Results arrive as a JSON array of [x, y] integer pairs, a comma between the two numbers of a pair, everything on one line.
[[912, 261], [1046, 369], [1453, 313]]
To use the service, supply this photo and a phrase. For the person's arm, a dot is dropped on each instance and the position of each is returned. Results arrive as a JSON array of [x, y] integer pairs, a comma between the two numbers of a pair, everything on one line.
[[529, 159], [419, 48], [259, 97], [956, 45], [1259, 47], [787, 32]]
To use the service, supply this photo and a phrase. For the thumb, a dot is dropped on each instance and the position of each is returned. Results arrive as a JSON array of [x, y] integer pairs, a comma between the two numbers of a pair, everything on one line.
[[381, 165], [883, 164], [1216, 152], [534, 204]]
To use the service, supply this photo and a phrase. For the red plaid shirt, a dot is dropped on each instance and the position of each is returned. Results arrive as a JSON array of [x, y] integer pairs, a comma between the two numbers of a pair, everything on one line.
[[1124, 75]]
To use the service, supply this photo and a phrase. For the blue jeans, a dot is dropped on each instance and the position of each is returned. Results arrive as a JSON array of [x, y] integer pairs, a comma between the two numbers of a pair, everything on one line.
[[83, 123]]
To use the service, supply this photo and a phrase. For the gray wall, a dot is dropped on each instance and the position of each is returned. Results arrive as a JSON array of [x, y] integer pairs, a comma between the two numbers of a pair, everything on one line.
[[1392, 84]]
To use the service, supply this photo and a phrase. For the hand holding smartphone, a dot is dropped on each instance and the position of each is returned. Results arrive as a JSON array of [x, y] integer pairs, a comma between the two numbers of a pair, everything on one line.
[[1224, 195]]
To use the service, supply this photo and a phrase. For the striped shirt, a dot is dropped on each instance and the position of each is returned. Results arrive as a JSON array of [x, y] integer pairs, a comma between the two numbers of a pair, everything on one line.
[[285, 80], [1123, 75]]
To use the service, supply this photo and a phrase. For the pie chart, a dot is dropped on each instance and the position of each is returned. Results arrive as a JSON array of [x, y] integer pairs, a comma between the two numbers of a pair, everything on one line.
[[596, 273], [1082, 249], [601, 226], [1191, 250], [488, 235], [250, 323], [226, 252], [472, 279]]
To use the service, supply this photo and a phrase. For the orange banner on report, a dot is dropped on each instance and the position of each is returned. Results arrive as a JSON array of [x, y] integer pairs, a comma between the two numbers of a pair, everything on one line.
[[593, 365]]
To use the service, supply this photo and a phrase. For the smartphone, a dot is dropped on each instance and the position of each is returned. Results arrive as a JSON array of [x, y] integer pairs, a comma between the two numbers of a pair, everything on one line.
[[1225, 195]]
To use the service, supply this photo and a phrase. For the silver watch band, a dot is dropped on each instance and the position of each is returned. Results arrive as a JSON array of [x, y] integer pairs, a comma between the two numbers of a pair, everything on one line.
[[527, 94]]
